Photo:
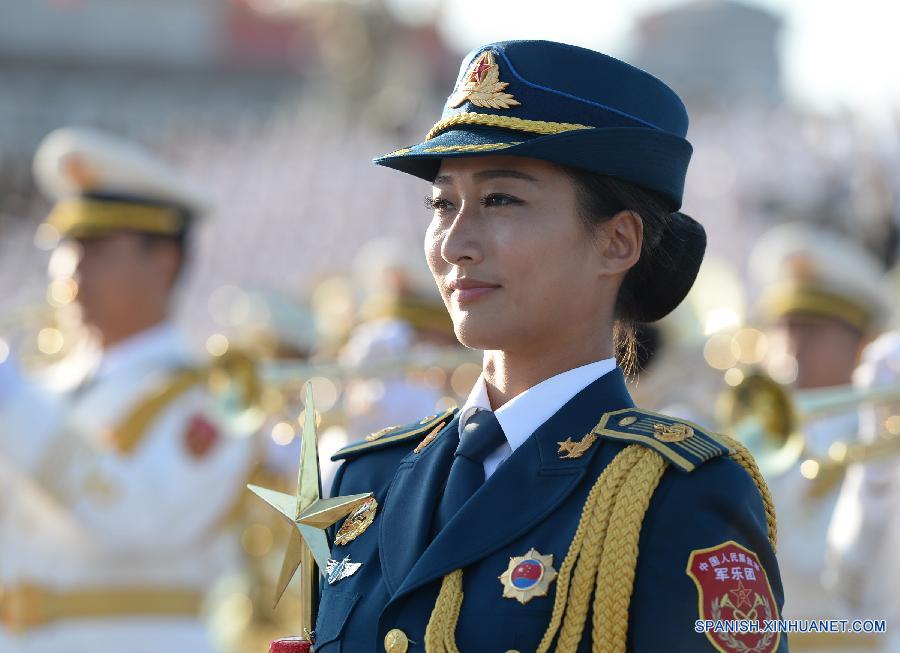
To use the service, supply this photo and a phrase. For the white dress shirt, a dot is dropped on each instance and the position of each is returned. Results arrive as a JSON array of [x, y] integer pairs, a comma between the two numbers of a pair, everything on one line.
[[523, 414]]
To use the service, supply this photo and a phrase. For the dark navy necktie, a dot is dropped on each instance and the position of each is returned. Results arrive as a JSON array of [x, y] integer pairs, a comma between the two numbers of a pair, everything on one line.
[[481, 436]]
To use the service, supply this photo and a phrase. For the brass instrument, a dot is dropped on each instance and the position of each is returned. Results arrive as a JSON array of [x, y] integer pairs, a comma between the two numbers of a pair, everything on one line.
[[767, 418], [825, 471]]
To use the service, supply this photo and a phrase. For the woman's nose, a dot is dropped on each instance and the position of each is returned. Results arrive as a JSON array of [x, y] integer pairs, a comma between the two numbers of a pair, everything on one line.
[[462, 242]]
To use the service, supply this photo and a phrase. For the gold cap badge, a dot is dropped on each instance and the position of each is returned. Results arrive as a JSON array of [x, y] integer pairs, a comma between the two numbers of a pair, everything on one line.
[[482, 86]]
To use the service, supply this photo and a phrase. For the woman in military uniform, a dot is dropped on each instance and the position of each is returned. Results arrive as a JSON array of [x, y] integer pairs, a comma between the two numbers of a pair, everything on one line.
[[549, 513]]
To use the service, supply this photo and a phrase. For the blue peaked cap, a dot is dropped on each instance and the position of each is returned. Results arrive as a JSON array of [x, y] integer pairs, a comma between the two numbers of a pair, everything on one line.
[[563, 104]]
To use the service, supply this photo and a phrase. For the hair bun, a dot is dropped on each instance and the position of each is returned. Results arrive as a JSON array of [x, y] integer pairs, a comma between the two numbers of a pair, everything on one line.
[[660, 281]]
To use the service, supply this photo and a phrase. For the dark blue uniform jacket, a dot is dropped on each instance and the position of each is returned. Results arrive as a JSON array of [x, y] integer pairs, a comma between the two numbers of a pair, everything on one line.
[[533, 500]]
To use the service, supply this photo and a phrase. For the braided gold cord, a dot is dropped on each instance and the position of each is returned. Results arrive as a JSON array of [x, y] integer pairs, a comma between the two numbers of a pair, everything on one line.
[[481, 147], [741, 455], [565, 570], [506, 122], [592, 552], [440, 633], [615, 578]]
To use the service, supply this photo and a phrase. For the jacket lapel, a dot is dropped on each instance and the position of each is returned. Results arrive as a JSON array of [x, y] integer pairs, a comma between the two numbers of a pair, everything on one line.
[[525, 489], [410, 502]]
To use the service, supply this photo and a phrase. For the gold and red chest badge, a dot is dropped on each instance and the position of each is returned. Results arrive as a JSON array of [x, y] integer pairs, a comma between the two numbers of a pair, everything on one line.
[[528, 576], [732, 586], [482, 86]]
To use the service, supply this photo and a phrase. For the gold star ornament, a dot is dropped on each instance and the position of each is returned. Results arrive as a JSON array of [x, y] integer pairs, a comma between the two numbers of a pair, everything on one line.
[[309, 516]]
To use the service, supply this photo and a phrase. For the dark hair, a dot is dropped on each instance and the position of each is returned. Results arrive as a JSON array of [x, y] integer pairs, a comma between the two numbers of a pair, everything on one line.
[[599, 199]]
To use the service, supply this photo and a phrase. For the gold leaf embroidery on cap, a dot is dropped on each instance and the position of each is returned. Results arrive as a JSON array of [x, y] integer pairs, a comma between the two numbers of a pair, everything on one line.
[[482, 86]]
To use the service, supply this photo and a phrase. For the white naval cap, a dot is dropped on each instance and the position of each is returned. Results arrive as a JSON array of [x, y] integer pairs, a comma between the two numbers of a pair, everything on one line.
[[803, 268], [104, 183]]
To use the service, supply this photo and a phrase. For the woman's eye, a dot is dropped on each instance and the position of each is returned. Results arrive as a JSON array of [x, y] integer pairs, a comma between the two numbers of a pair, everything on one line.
[[499, 199], [437, 204]]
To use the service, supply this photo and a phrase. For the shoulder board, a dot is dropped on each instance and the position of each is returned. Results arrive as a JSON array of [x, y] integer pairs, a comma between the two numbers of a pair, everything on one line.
[[683, 444], [396, 435]]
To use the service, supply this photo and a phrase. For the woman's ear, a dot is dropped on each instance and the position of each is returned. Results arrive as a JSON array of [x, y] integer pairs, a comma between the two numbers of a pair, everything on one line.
[[620, 239]]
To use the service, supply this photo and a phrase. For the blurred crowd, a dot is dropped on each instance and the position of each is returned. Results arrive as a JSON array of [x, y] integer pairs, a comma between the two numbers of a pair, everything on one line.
[[144, 381]]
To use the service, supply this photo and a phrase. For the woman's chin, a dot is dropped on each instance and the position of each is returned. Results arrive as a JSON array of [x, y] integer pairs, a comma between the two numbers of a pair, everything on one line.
[[481, 334]]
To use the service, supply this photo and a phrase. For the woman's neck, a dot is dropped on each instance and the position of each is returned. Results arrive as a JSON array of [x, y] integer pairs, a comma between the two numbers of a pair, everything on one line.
[[508, 374]]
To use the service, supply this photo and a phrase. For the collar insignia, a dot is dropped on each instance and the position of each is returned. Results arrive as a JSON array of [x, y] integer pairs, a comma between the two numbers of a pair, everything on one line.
[[571, 449]]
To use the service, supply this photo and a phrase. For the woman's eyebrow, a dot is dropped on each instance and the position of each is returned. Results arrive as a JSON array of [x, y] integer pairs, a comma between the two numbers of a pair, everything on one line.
[[485, 175]]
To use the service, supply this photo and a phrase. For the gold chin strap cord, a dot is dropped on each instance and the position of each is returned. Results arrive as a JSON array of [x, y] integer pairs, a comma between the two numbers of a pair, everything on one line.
[[601, 562]]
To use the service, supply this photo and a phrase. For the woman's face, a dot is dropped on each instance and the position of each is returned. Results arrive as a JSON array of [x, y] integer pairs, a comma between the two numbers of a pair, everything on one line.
[[515, 264]]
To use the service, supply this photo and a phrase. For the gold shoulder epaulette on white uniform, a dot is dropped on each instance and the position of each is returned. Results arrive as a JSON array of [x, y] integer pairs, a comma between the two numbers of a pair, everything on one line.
[[683, 444], [397, 434]]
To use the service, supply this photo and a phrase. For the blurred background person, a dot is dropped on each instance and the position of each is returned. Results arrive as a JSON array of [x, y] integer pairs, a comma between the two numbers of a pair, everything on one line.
[[120, 466], [864, 534], [822, 299], [401, 317]]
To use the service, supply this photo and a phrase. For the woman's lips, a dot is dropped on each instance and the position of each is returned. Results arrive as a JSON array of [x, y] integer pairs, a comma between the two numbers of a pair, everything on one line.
[[467, 290], [470, 294]]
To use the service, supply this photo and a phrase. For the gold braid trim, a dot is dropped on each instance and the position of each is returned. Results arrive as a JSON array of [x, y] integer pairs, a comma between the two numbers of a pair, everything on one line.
[[586, 549], [481, 147], [440, 633], [615, 579], [79, 216], [130, 432], [233, 366], [506, 122], [742, 456], [606, 558]]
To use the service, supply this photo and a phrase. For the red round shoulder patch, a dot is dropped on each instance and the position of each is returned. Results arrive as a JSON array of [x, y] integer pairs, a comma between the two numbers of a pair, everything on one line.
[[733, 587], [201, 436]]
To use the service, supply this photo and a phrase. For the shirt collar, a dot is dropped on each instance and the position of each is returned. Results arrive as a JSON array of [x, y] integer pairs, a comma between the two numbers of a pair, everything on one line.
[[160, 344], [522, 415]]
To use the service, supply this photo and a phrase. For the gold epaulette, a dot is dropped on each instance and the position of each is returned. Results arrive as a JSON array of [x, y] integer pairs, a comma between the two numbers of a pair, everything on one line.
[[683, 444], [396, 435]]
